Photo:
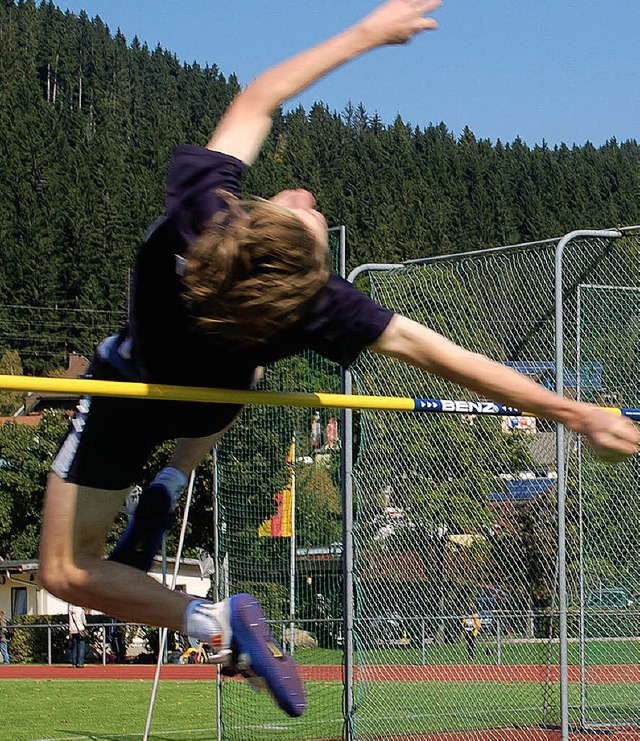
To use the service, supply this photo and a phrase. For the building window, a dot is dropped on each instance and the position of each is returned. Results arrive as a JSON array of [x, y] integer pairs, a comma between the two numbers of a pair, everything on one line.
[[18, 601]]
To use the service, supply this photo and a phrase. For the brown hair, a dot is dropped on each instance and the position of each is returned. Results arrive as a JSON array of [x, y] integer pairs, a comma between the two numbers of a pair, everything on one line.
[[252, 272]]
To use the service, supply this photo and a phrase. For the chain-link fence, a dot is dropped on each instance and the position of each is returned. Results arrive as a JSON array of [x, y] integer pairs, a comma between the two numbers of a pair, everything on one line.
[[107, 641], [45, 336], [604, 588], [462, 585], [471, 617], [279, 524], [485, 582]]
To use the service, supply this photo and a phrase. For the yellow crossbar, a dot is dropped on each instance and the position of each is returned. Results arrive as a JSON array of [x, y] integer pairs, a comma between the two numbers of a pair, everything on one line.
[[86, 387]]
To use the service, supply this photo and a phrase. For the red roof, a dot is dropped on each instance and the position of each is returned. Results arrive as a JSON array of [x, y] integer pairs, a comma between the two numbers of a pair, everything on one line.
[[77, 367], [31, 420]]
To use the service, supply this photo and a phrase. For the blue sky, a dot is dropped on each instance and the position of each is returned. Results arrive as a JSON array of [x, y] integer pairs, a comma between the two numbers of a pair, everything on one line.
[[553, 70]]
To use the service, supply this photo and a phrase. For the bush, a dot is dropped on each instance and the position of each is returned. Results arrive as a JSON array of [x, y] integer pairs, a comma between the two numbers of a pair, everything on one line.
[[611, 624], [30, 643], [273, 597], [151, 637]]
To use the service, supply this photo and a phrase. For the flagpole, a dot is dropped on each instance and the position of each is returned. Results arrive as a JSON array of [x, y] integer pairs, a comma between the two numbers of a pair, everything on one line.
[[292, 557]]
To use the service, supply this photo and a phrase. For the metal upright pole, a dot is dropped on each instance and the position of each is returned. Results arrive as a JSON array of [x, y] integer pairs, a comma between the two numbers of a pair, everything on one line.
[[163, 631], [348, 590], [163, 555], [292, 552], [581, 539], [348, 560], [562, 479], [216, 587], [163, 552]]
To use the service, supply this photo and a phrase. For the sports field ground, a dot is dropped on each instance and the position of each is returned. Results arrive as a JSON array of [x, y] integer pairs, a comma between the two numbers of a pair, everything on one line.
[[60, 703]]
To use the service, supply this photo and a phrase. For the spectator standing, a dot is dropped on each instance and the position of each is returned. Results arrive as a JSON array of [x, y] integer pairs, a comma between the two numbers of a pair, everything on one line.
[[4, 638], [77, 635], [471, 626], [316, 433], [117, 640]]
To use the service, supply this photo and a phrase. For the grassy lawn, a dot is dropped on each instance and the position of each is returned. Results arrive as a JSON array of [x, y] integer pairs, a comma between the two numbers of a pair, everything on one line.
[[319, 656], [185, 711], [73, 710]]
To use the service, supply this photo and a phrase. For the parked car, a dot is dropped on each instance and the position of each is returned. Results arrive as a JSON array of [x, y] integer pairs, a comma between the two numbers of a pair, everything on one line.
[[610, 613], [494, 607], [382, 631]]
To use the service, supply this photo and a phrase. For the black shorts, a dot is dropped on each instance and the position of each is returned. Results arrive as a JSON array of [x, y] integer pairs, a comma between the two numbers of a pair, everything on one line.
[[110, 439]]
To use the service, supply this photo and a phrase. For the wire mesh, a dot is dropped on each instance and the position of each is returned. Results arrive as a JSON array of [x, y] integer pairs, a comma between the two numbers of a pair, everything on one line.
[[605, 583], [45, 335], [275, 461], [458, 517]]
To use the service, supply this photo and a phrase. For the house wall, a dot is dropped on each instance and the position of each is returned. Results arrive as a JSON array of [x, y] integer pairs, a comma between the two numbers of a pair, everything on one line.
[[41, 602]]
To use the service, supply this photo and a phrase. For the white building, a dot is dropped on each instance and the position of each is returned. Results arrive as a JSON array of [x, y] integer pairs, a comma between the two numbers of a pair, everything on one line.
[[22, 594]]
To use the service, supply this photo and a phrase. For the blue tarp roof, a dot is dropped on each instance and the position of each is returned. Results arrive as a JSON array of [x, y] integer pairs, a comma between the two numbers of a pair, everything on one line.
[[590, 372], [522, 490]]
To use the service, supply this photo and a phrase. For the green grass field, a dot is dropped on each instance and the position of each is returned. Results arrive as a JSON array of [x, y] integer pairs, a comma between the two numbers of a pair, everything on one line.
[[32, 710], [73, 710]]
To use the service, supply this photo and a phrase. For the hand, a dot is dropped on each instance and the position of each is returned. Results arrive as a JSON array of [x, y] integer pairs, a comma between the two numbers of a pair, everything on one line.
[[396, 21], [612, 438]]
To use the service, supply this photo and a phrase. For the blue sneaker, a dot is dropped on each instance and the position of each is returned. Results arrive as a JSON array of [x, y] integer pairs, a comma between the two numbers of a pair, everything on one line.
[[141, 540], [257, 656]]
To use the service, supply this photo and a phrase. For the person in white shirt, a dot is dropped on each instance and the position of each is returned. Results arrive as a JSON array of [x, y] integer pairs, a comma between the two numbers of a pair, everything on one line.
[[77, 635]]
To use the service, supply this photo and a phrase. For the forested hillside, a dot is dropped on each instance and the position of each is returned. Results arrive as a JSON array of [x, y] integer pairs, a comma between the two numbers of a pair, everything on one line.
[[88, 119]]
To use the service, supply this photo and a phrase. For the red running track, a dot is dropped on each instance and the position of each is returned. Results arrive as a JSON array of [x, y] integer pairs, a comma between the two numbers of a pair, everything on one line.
[[477, 673], [519, 734], [179, 672]]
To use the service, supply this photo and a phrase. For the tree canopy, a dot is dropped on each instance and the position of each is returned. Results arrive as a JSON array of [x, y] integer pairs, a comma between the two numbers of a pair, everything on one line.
[[88, 120]]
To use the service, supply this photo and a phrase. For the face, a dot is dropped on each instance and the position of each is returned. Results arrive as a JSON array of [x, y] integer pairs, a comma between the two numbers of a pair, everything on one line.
[[302, 203]]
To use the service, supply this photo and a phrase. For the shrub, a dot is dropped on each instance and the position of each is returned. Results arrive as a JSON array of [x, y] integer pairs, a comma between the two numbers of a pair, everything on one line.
[[30, 643]]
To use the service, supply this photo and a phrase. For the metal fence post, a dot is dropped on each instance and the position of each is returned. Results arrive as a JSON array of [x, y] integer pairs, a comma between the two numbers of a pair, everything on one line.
[[218, 581], [562, 479], [347, 559]]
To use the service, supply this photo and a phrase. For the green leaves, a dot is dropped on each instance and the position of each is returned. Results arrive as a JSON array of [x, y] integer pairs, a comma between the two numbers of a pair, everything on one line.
[[26, 453], [88, 120]]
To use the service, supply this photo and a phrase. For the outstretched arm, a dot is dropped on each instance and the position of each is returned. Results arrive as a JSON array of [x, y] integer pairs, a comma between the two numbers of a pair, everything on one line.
[[612, 438], [244, 127]]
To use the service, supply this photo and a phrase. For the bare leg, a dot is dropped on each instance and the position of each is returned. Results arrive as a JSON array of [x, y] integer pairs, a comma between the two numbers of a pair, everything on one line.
[[76, 521], [141, 540], [191, 451]]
